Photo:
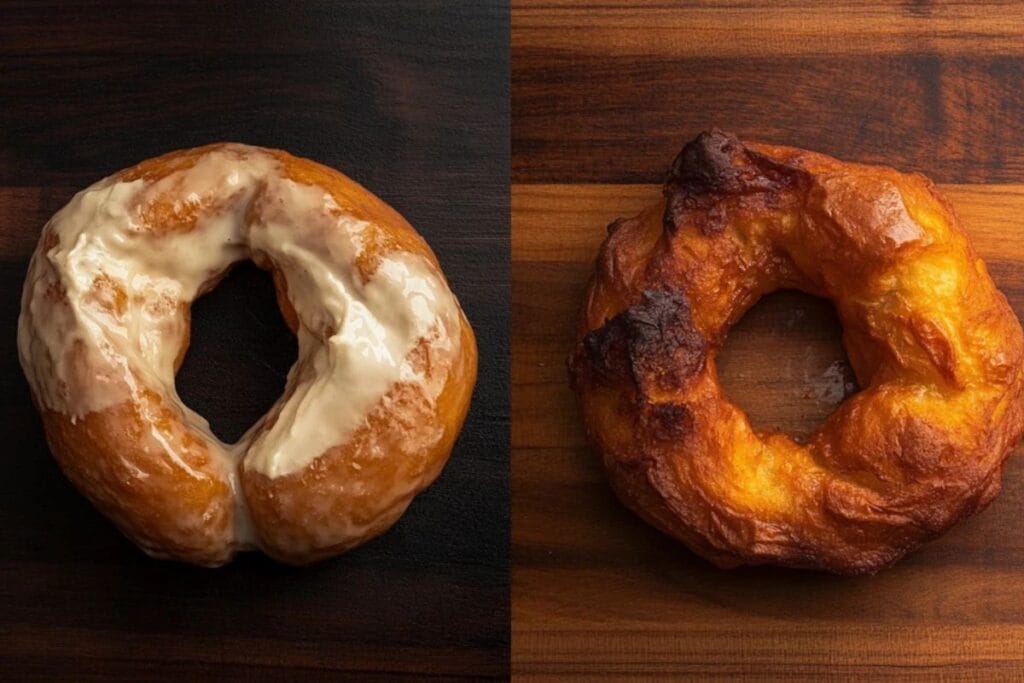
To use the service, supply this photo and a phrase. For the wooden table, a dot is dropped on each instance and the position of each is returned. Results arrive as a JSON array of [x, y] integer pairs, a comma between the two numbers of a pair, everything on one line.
[[409, 99], [604, 95]]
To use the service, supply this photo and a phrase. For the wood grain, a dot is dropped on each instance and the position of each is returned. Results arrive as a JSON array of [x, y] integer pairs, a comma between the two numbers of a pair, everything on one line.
[[603, 92], [597, 593], [754, 28], [411, 100]]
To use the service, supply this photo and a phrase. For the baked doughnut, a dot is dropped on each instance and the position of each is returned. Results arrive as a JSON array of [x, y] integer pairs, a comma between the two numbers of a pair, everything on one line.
[[386, 360], [934, 346]]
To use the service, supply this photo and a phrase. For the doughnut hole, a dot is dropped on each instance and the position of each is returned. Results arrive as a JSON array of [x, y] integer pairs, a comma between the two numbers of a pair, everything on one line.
[[239, 353], [784, 365]]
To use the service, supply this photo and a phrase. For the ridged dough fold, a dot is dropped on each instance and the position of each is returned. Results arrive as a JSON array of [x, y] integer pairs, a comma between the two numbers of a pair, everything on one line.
[[935, 347]]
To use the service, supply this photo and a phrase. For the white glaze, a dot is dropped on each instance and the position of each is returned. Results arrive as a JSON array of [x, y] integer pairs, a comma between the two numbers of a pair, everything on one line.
[[354, 338]]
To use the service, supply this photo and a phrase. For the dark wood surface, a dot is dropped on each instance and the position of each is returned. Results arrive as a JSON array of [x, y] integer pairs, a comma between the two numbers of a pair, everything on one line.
[[604, 95], [411, 100]]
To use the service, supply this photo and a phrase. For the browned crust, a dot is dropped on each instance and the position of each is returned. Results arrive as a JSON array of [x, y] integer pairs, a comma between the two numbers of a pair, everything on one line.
[[304, 517], [921, 447], [185, 511], [714, 165], [181, 510], [652, 341]]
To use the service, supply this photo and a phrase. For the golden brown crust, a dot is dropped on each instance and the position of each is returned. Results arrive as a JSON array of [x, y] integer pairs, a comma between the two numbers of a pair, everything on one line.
[[177, 509], [120, 457], [934, 345], [295, 513]]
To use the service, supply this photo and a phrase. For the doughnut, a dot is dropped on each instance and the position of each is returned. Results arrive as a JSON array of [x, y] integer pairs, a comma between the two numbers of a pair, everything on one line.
[[371, 408], [935, 348]]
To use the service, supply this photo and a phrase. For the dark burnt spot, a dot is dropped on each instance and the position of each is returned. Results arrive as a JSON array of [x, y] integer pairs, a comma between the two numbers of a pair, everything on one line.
[[668, 421], [713, 161], [711, 167], [653, 343]]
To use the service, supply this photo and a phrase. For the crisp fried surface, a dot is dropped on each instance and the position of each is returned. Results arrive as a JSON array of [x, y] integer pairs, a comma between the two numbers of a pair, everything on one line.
[[352, 494], [146, 466], [172, 508], [935, 347]]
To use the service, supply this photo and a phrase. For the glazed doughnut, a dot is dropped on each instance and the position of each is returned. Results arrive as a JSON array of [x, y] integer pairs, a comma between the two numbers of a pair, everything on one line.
[[934, 345], [371, 408]]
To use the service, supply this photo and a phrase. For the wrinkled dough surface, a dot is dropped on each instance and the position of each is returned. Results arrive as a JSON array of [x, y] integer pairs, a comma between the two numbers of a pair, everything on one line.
[[934, 345]]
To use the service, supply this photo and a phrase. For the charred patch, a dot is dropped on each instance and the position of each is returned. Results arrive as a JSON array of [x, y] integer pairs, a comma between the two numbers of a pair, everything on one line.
[[653, 343], [712, 166], [668, 421]]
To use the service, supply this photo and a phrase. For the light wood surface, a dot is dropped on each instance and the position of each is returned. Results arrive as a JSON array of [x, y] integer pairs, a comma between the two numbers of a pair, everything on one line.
[[755, 28], [606, 91], [604, 94], [596, 592]]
